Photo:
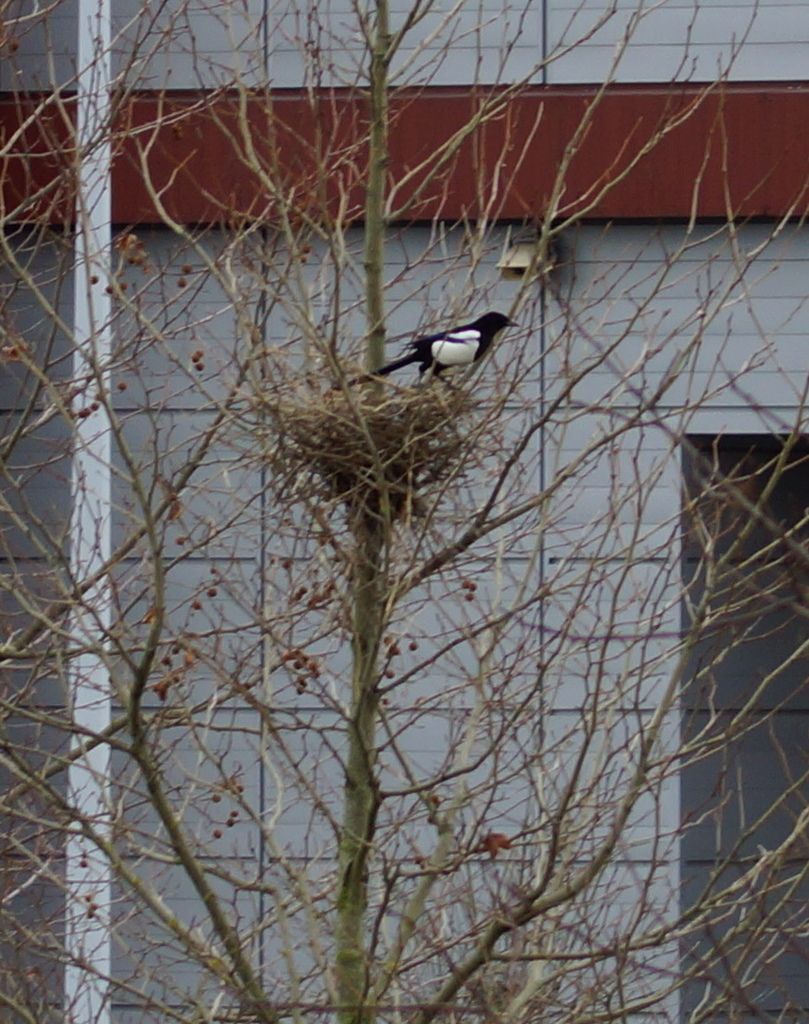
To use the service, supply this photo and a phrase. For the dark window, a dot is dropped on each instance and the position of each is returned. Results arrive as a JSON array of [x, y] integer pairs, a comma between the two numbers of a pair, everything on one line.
[[745, 777]]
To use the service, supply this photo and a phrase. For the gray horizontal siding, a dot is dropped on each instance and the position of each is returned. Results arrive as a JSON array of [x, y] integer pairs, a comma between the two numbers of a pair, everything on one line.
[[610, 621], [649, 302], [225, 527], [613, 540], [682, 41], [40, 49], [205, 43]]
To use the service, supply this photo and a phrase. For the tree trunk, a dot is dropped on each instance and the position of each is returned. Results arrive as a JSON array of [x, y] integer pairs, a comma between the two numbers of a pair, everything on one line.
[[371, 533], [360, 787], [374, 257]]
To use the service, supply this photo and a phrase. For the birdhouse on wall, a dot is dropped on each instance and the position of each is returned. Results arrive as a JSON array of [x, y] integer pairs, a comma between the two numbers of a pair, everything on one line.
[[522, 258]]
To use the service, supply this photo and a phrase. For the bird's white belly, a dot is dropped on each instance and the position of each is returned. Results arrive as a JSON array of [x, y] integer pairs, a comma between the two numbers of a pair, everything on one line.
[[454, 353]]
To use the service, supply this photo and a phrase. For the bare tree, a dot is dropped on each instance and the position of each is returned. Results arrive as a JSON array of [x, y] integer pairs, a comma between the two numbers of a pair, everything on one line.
[[422, 702]]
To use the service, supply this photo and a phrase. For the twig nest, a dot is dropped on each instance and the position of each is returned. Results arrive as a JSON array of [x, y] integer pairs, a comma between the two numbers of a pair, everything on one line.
[[375, 446]]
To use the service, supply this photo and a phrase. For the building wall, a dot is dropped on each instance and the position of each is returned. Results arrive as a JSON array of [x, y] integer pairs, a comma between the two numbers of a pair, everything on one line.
[[627, 306], [640, 302], [624, 303], [205, 43]]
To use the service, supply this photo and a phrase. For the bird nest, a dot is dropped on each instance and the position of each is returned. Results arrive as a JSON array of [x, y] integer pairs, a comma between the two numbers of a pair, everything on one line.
[[376, 448]]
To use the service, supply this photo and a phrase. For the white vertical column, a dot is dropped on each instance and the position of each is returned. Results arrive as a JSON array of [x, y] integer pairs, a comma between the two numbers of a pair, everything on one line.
[[87, 910]]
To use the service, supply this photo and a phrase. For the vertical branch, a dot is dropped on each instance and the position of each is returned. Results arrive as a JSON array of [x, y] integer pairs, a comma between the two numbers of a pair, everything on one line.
[[375, 220], [360, 789], [369, 587]]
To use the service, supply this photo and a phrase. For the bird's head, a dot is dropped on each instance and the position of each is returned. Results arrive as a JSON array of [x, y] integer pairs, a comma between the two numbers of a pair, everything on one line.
[[493, 322]]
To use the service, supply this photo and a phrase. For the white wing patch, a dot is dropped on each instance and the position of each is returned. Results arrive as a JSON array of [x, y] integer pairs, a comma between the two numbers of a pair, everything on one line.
[[456, 349], [471, 335]]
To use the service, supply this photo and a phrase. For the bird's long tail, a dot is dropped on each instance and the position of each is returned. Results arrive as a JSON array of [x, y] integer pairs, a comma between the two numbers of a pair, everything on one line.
[[397, 364], [383, 371]]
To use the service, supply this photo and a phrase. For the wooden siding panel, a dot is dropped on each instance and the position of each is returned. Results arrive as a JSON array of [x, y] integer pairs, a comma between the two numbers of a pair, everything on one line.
[[742, 150], [198, 165]]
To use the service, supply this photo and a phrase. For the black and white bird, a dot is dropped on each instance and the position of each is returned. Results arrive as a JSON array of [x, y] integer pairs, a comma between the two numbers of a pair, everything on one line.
[[460, 346]]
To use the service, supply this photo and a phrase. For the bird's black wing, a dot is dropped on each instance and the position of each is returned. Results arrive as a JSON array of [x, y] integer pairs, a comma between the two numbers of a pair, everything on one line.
[[427, 339]]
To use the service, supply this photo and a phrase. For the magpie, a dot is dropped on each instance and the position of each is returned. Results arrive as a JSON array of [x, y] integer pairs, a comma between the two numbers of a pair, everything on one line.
[[459, 346]]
